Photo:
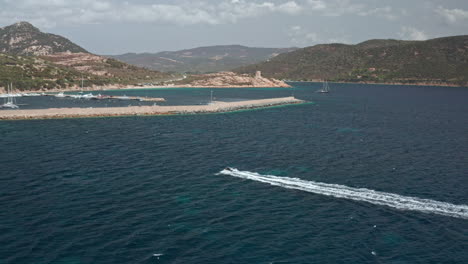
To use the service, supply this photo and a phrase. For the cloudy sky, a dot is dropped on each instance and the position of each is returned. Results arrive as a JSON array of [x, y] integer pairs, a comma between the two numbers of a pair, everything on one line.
[[115, 26]]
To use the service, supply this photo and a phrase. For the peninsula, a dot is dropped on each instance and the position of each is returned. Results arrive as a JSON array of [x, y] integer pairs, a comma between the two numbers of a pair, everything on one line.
[[214, 107], [230, 80]]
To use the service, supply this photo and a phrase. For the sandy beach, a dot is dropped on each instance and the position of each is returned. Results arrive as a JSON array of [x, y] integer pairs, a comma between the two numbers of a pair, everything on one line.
[[214, 107]]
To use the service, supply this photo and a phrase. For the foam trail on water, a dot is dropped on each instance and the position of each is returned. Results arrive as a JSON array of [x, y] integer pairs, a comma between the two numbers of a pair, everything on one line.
[[357, 194]]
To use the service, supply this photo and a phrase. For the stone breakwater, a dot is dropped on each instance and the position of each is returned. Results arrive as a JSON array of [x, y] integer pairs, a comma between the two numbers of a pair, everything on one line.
[[215, 107]]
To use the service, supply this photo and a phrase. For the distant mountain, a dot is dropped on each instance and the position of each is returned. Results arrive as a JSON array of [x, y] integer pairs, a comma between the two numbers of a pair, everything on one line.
[[24, 39], [203, 59], [34, 60], [435, 61]]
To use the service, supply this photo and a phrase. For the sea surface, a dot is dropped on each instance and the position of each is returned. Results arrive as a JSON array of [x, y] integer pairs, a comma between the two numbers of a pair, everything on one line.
[[120, 190]]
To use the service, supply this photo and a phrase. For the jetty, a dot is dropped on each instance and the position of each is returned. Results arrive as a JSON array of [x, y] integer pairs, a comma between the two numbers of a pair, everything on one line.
[[213, 107]]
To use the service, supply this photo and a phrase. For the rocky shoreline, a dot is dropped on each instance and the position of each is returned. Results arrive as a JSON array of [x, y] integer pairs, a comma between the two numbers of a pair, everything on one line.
[[231, 79], [437, 84], [215, 107]]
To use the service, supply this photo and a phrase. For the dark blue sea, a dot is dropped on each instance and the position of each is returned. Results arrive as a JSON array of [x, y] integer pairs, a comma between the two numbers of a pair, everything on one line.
[[119, 190]]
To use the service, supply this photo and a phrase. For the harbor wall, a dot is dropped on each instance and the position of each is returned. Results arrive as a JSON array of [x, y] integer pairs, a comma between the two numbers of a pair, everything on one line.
[[213, 107]]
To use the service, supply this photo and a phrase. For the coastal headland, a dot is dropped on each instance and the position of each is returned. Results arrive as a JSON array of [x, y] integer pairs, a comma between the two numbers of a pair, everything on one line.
[[214, 107]]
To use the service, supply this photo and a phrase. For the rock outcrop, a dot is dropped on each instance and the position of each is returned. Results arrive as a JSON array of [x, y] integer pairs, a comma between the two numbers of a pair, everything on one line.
[[231, 79], [23, 38]]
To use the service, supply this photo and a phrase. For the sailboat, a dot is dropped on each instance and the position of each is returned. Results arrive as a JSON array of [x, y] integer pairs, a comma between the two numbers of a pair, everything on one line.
[[10, 101], [325, 88], [82, 82]]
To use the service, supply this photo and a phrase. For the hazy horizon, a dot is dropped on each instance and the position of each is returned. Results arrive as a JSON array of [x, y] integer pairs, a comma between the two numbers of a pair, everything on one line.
[[118, 27]]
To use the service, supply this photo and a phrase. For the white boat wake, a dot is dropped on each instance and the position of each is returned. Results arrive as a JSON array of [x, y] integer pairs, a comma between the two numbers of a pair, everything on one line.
[[357, 194]]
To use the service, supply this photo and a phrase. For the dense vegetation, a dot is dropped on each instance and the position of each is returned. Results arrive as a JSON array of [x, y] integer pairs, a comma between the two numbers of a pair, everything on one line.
[[439, 61], [32, 73]]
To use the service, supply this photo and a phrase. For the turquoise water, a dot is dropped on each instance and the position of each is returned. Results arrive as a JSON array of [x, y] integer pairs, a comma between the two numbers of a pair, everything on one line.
[[118, 190]]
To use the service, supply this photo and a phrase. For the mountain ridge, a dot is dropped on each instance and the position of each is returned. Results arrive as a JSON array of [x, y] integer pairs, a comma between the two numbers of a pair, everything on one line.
[[204, 59], [436, 61]]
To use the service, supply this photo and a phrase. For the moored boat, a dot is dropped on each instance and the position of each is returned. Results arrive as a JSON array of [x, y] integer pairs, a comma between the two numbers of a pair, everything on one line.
[[325, 88], [10, 99]]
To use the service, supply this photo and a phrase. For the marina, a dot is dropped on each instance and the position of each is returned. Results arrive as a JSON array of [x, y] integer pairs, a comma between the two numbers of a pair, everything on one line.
[[84, 96], [107, 97], [10, 97]]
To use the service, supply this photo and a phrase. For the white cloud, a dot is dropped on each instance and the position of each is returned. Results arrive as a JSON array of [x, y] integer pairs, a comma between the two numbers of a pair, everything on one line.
[[341, 40], [49, 12], [317, 4], [159, 13], [411, 33], [452, 16], [311, 37], [337, 8], [101, 6], [183, 12], [289, 7], [342, 7], [42, 3], [296, 29], [302, 37], [385, 12]]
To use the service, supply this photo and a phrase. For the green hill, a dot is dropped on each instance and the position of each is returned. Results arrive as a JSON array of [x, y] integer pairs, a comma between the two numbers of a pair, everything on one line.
[[65, 70], [437, 61], [31, 73]]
